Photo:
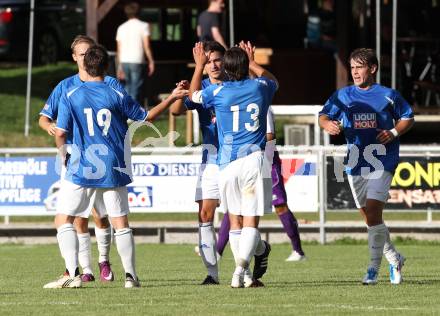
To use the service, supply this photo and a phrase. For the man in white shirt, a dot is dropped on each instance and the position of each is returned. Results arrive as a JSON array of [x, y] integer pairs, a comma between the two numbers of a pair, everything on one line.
[[133, 48]]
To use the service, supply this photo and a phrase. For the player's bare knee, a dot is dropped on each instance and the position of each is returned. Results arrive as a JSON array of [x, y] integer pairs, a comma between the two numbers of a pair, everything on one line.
[[101, 223], [206, 215], [251, 221], [120, 222], [81, 225], [61, 219], [236, 222]]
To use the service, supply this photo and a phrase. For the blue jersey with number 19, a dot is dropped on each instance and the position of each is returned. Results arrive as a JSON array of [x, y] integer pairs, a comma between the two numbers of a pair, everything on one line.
[[50, 109], [96, 114], [241, 109]]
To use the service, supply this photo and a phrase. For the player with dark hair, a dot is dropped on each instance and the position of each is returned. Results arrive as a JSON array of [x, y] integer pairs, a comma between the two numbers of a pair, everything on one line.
[[241, 106], [98, 172], [279, 196], [207, 192], [372, 118]]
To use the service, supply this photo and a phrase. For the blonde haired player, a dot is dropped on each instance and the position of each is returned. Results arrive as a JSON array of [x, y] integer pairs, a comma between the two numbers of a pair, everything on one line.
[[47, 121]]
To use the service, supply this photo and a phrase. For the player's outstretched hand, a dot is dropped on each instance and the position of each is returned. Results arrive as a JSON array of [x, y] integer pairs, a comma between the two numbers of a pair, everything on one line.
[[199, 54], [51, 129], [384, 136], [332, 127], [183, 83], [179, 93], [248, 48]]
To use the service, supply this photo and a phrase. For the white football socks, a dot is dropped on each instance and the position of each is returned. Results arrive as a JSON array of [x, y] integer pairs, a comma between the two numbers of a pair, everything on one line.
[[85, 253], [103, 240], [234, 241], [376, 241], [68, 243], [250, 238], [389, 251], [207, 246], [125, 244]]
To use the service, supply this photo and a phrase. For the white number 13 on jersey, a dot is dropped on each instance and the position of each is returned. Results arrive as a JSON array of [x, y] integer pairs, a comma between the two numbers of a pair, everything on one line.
[[253, 109], [103, 117]]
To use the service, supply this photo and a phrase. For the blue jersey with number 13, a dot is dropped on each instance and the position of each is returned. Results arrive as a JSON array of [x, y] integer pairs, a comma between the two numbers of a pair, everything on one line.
[[241, 110]]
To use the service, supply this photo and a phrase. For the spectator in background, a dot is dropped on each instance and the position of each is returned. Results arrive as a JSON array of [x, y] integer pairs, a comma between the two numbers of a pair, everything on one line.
[[321, 27], [209, 23], [328, 25], [133, 45]]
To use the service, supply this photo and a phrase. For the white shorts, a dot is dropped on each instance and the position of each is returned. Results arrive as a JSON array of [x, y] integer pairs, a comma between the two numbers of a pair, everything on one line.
[[85, 207], [75, 200], [246, 186], [207, 183], [363, 188]]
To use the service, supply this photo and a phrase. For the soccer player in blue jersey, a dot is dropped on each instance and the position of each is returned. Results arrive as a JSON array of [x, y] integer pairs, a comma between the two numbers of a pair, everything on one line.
[[279, 196], [241, 106], [372, 118], [48, 117], [99, 167], [207, 191]]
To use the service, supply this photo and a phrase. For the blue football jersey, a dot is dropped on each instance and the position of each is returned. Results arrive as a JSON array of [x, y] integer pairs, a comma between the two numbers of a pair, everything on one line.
[[208, 126], [96, 114], [241, 113], [50, 109], [363, 113]]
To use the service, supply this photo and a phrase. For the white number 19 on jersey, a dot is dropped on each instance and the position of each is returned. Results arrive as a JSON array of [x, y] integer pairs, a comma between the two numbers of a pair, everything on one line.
[[253, 109], [103, 117]]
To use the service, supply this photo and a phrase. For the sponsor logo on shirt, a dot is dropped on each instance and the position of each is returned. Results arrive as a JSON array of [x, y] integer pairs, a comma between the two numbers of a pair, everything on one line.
[[364, 120]]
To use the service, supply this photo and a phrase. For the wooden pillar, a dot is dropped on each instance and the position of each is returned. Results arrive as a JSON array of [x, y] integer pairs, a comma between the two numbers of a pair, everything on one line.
[[105, 8], [92, 19], [95, 13]]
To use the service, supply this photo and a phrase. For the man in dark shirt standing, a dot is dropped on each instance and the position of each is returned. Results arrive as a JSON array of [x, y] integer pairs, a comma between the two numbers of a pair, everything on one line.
[[209, 23]]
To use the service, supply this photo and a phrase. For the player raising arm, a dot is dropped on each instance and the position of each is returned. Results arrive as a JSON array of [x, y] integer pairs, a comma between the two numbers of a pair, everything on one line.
[[207, 192], [279, 195], [241, 106]]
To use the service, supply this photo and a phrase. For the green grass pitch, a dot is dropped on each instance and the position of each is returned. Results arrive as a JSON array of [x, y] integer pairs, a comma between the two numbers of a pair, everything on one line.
[[328, 283]]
